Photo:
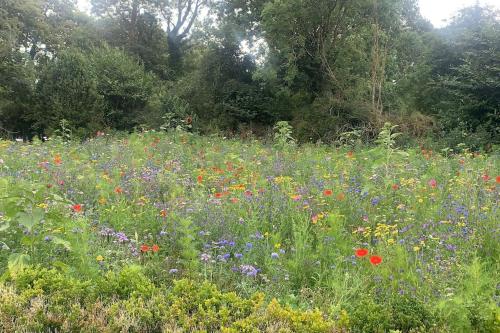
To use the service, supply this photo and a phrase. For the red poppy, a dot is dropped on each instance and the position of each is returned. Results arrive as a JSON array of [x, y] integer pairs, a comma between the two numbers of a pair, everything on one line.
[[218, 195], [432, 183], [118, 190], [498, 179], [395, 187], [199, 179], [360, 253], [485, 177], [155, 248], [327, 193], [248, 193], [144, 248], [77, 208], [375, 260]]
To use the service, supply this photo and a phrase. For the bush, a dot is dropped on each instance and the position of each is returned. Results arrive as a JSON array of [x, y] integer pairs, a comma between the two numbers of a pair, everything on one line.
[[39, 299]]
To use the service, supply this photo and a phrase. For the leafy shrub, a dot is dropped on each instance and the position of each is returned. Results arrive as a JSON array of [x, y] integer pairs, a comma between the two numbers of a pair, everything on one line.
[[43, 299]]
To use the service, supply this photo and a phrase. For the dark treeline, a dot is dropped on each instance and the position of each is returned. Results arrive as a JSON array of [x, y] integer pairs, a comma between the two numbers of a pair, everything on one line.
[[239, 66]]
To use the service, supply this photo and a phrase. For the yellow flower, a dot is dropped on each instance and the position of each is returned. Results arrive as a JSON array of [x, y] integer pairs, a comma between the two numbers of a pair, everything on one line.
[[277, 245], [390, 241], [42, 205], [416, 248], [99, 258]]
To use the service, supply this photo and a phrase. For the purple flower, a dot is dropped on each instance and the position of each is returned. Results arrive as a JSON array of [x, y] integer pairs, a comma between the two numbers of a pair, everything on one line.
[[48, 238], [238, 255], [249, 246], [274, 255], [248, 270], [121, 237], [173, 271]]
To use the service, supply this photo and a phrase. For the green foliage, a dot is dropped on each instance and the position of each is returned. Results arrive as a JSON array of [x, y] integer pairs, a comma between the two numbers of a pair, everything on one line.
[[186, 305], [283, 134]]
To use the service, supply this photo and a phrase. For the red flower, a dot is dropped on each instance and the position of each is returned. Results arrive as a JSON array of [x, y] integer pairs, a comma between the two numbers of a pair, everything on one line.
[[485, 177], [395, 187], [163, 213], [340, 196], [77, 208], [376, 260], [248, 193], [199, 179], [350, 154], [498, 179], [144, 248], [327, 193], [432, 183], [360, 253], [118, 190], [155, 248], [218, 195], [234, 200]]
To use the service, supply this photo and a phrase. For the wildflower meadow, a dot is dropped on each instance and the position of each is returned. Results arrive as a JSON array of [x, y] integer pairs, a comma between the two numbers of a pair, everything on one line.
[[175, 232]]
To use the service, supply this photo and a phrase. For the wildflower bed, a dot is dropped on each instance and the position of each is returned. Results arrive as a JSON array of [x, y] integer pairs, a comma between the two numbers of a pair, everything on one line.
[[175, 232]]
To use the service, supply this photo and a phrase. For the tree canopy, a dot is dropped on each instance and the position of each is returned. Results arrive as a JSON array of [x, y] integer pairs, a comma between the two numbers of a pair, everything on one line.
[[326, 66]]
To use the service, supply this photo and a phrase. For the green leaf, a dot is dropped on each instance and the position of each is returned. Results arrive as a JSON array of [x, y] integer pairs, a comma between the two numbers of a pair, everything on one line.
[[18, 261], [59, 241], [26, 220], [4, 226], [29, 220]]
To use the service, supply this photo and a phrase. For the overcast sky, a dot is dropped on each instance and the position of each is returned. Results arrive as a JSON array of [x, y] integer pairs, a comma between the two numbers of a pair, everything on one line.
[[436, 11]]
